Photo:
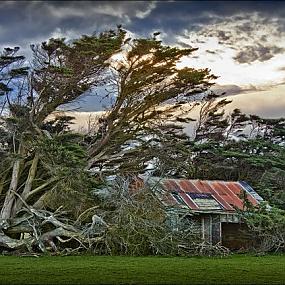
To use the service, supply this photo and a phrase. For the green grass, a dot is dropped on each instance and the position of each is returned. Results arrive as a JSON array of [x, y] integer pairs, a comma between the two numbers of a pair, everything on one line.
[[238, 269]]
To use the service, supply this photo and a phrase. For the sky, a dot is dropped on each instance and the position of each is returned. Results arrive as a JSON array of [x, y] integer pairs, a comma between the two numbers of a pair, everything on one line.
[[242, 42]]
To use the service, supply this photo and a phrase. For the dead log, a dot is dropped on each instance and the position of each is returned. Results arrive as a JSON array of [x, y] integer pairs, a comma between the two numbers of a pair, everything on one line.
[[43, 231]]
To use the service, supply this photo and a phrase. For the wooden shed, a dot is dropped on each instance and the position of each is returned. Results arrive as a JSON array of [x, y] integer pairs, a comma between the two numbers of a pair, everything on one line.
[[212, 204]]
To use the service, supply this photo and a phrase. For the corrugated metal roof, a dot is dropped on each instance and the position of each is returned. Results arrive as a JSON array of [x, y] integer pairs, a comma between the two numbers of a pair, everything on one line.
[[202, 195]]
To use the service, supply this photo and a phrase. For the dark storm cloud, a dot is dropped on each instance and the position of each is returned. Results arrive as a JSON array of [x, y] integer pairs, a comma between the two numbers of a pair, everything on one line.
[[175, 16], [232, 89], [244, 26], [253, 37], [28, 20], [259, 52], [24, 22]]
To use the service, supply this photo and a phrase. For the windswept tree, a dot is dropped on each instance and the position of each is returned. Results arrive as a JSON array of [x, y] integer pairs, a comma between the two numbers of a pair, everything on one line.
[[150, 90], [42, 162]]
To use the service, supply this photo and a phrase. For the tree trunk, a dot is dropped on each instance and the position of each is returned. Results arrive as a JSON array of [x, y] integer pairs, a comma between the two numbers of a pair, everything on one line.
[[98, 148], [6, 210], [28, 185], [11, 243], [3, 180]]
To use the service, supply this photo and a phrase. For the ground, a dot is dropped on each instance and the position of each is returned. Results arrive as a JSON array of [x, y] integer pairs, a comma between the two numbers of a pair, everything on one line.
[[237, 269]]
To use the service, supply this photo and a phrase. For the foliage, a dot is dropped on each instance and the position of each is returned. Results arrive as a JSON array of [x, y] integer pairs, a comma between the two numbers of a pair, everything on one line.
[[272, 187], [231, 147], [267, 226], [257, 161], [10, 69]]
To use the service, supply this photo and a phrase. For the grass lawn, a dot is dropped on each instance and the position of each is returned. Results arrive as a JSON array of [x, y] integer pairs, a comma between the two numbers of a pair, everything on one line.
[[237, 269]]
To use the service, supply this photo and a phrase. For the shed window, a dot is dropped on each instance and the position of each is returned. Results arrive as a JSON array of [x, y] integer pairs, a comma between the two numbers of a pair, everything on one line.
[[205, 201]]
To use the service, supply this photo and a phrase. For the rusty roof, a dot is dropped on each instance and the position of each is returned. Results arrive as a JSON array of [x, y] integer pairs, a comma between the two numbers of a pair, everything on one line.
[[203, 195]]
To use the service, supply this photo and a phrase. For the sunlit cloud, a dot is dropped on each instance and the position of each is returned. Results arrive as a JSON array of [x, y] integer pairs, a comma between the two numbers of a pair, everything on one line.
[[241, 50]]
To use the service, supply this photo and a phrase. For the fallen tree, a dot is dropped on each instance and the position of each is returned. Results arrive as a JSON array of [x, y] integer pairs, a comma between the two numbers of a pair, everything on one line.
[[38, 157], [45, 231], [139, 224]]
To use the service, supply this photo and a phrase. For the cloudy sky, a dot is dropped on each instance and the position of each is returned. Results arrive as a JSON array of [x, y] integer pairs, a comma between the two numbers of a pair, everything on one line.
[[242, 42]]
